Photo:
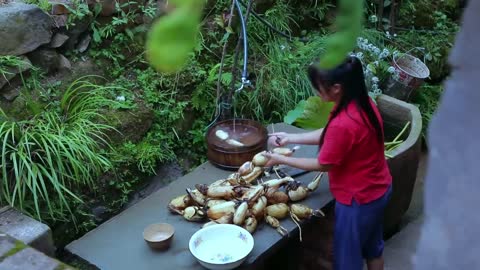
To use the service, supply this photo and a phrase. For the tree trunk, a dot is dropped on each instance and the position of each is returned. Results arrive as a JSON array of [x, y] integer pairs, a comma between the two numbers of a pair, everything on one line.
[[380, 14]]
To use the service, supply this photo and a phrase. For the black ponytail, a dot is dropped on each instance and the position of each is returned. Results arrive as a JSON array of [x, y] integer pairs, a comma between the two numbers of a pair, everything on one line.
[[350, 76]]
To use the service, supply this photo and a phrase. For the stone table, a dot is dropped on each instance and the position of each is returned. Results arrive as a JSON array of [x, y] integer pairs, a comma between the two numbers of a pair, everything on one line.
[[118, 243]]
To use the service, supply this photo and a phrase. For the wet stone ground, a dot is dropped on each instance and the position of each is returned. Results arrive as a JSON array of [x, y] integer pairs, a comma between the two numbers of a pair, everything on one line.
[[165, 174]]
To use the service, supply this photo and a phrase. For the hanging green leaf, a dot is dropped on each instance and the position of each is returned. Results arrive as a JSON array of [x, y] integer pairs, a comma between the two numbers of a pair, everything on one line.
[[348, 24], [173, 37], [312, 113], [296, 113]]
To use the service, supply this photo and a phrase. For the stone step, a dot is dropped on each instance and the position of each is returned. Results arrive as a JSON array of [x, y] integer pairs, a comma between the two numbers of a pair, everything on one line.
[[26, 229], [15, 255]]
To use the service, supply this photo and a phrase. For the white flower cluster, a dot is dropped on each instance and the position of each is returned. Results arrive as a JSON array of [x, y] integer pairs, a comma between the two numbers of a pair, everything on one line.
[[359, 55], [375, 60], [363, 44], [372, 80], [369, 68], [384, 54], [389, 36]]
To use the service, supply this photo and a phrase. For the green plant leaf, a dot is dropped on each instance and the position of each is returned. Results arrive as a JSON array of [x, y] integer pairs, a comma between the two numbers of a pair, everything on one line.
[[229, 29], [310, 114], [173, 37], [47, 159], [372, 68], [296, 113], [96, 36], [349, 24]]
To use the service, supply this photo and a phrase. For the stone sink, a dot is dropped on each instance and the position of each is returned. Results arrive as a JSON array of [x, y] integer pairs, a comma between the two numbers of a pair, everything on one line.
[[405, 159]]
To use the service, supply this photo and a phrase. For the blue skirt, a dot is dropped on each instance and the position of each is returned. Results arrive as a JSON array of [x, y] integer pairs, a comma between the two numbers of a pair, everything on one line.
[[358, 232]]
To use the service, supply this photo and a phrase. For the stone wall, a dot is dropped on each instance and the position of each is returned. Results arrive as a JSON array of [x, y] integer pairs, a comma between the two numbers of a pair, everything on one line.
[[43, 38], [33, 35]]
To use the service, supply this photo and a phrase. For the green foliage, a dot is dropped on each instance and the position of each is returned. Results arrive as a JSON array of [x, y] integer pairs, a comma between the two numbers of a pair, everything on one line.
[[312, 113], [436, 45], [421, 14], [428, 98], [122, 37], [45, 5], [161, 93], [44, 159], [348, 25], [282, 80], [281, 16], [8, 63], [314, 10], [145, 155], [79, 10], [174, 36], [124, 16], [431, 25]]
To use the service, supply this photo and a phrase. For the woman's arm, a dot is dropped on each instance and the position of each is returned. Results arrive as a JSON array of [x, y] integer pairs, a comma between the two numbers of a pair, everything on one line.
[[308, 138], [307, 164]]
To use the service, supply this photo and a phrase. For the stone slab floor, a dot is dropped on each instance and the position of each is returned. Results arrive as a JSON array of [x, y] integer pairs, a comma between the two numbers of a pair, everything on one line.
[[399, 249]]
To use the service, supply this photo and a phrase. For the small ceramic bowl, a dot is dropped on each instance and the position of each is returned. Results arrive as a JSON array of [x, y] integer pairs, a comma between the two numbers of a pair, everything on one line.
[[159, 236], [221, 246]]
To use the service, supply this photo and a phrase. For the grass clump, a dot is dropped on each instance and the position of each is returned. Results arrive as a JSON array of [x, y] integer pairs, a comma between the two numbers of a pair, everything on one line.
[[46, 158]]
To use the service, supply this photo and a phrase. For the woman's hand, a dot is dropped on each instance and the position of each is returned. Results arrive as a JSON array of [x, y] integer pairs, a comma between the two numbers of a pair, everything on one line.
[[273, 159], [278, 139]]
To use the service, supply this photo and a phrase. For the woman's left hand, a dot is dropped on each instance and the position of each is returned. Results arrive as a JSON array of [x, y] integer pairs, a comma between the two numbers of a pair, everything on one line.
[[273, 159]]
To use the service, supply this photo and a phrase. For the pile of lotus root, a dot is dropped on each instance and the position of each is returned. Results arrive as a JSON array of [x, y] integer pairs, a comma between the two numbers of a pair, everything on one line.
[[236, 200]]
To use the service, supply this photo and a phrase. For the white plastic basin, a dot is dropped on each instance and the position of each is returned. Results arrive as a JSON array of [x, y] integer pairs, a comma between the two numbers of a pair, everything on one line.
[[221, 246]]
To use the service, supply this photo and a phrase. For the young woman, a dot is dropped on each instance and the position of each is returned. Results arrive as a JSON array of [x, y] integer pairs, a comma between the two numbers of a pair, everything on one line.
[[352, 152]]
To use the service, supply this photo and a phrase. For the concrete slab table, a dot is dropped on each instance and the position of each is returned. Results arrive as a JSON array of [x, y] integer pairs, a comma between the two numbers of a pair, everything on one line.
[[118, 243]]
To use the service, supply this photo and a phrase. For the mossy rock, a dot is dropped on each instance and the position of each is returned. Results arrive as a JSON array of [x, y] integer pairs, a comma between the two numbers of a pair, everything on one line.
[[186, 123], [23, 107], [131, 125], [88, 69]]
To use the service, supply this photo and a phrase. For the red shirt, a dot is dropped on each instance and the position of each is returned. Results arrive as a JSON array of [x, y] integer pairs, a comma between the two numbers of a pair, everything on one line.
[[360, 169]]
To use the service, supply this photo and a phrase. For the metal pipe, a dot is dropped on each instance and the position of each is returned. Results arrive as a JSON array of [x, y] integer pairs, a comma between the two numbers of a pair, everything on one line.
[[245, 47]]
